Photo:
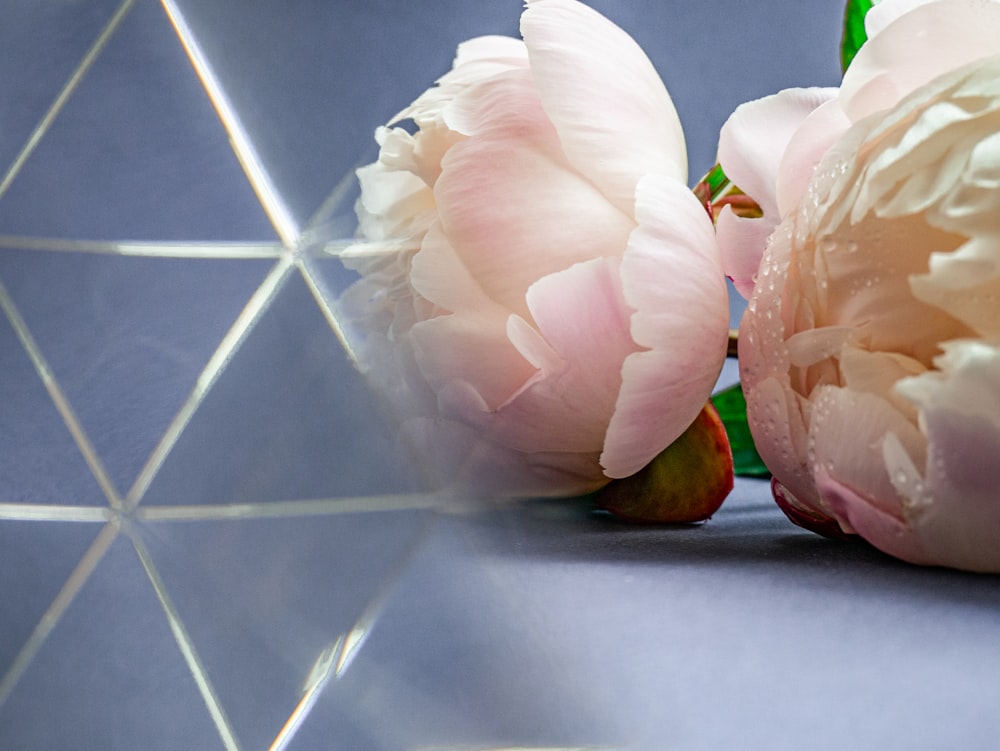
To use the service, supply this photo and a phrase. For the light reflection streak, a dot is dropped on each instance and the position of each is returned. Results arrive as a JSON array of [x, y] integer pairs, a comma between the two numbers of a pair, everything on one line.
[[187, 649], [326, 308], [59, 399], [254, 308], [287, 509], [195, 250], [275, 208], [67, 90], [56, 609], [320, 674], [44, 512]]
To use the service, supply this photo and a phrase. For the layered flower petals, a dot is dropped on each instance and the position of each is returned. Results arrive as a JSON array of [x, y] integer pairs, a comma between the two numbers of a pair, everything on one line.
[[672, 279], [872, 330], [786, 140], [752, 143], [754, 139], [539, 292]]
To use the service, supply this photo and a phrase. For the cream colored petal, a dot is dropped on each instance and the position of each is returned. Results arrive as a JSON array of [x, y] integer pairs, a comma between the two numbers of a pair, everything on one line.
[[897, 61], [846, 433]]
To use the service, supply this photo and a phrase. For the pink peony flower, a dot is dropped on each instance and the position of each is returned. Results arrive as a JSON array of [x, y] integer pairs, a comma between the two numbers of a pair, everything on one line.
[[770, 147], [540, 296], [870, 350]]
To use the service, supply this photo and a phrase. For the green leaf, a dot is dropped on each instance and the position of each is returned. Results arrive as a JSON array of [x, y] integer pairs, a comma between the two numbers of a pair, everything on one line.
[[854, 30], [732, 408]]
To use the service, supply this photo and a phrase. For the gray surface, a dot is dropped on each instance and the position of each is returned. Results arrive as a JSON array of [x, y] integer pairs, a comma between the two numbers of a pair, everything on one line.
[[143, 609]]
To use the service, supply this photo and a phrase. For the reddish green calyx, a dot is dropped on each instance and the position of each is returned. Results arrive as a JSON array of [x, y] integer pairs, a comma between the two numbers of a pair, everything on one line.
[[686, 482], [716, 191]]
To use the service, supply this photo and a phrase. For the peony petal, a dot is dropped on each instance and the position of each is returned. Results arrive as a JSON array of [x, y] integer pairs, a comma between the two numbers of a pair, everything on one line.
[[583, 317], [393, 204], [881, 14], [878, 373], [741, 243], [504, 106], [961, 526], [615, 119], [846, 433], [883, 530], [470, 331], [896, 61], [438, 275], [819, 131], [960, 282], [672, 278], [754, 138], [501, 51], [514, 210], [957, 515], [476, 60]]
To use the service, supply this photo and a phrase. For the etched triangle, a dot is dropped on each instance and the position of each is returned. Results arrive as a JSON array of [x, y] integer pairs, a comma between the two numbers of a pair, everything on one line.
[[295, 417], [110, 675], [465, 655], [137, 152], [39, 461], [126, 338], [38, 64], [36, 560], [270, 602]]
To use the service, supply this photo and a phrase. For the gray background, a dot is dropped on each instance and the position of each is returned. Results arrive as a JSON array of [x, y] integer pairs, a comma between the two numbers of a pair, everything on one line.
[[207, 536]]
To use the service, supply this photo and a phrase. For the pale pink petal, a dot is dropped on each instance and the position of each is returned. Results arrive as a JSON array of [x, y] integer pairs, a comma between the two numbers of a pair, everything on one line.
[[452, 349], [778, 417], [582, 315], [439, 276], [514, 210], [741, 244], [885, 12], [672, 279], [915, 48], [960, 527], [846, 433], [952, 505], [470, 331], [502, 106], [614, 116], [817, 133], [476, 60], [884, 530], [502, 51], [754, 138]]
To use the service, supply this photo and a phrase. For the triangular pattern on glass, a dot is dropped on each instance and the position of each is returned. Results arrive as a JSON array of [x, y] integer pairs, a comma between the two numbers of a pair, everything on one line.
[[264, 633], [126, 337], [289, 408], [137, 152], [110, 675], [44, 47], [28, 420]]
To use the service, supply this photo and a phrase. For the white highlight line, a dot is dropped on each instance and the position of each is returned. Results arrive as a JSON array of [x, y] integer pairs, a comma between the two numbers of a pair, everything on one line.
[[257, 304], [67, 90], [186, 646], [59, 399], [235, 251], [287, 509], [55, 611], [275, 208], [43, 512]]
